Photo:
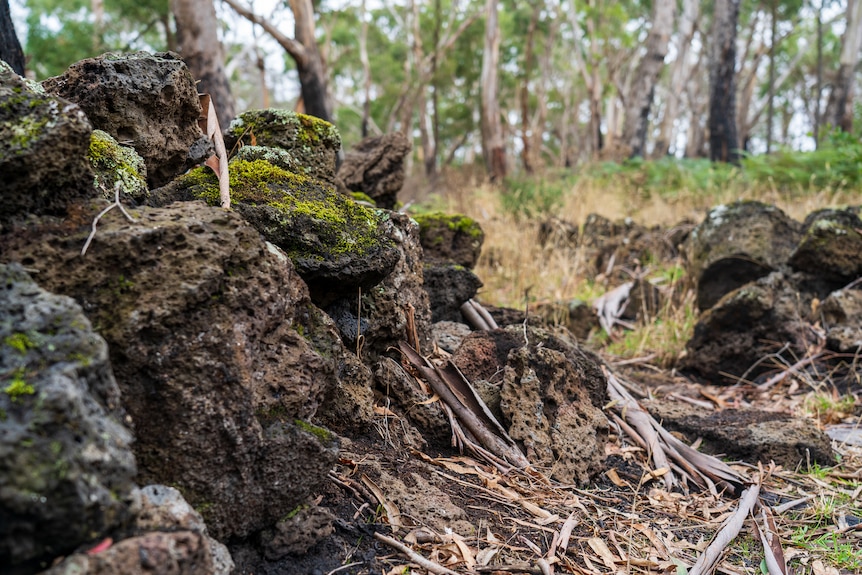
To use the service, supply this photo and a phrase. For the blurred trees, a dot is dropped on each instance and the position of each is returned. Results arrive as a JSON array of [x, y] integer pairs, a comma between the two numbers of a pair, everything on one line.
[[516, 84]]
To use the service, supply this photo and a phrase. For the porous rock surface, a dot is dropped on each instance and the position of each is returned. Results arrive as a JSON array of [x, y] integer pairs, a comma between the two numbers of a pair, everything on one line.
[[147, 101], [375, 167], [217, 348], [448, 286], [737, 244], [336, 245], [831, 246], [66, 467], [551, 394], [35, 126], [450, 238], [315, 141], [750, 435], [841, 314]]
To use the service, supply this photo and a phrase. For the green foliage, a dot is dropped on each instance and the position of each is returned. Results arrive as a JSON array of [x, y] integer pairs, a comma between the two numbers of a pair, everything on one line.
[[837, 164], [534, 197]]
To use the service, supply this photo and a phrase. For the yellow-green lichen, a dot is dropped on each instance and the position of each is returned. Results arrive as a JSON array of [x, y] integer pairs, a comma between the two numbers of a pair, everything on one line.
[[113, 164], [457, 223], [21, 342], [18, 387], [363, 197], [324, 435]]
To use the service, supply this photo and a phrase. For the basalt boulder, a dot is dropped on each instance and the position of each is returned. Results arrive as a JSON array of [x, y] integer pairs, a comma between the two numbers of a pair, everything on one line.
[[550, 397], [66, 466], [147, 101], [450, 238], [737, 244], [375, 167], [841, 314], [337, 246], [831, 246], [448, 286], [220, 354], [43, 150], [315, 141]]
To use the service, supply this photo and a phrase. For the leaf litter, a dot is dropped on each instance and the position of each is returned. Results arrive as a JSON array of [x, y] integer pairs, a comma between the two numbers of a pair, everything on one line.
[[660, 506]]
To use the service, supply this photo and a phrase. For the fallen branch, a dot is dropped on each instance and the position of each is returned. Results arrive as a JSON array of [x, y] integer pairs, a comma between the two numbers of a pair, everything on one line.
[[116, 204], [424, 563], [707, 562]]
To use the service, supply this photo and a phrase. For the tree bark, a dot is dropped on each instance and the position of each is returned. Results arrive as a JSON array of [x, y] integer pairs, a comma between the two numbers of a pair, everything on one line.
[[680, 74], [839, 109], [524, 93], [723, 144], [10, 47], [493, 147], [202, 52], [641, 96], [303, 49]]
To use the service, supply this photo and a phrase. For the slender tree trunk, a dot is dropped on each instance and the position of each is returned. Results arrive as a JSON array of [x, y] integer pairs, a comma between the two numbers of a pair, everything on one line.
[[680, 73], [770, 113], [698, 104], [435, 95], [428, 152], [202, 52], [819, 87], [723, 144], [312, 72], [524, 93], [641, 96], [10, 47], [839, 110], [366, 69], [493, 147]]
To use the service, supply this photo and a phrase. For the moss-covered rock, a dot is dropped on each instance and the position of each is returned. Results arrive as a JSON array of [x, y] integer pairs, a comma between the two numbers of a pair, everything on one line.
[[831, 245], [336, 244], [43, 150], [66, 466], [452, 238], [737, 244], [115, 164], [315, 141]]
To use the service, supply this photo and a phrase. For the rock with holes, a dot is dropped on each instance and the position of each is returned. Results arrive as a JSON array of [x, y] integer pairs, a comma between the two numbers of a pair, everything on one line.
[[841, 314], [66, 466], [551, 395], [737, 244], [220, 354], [450, 238], [375, 167], [146, 101], [43, 150], [831, 246]]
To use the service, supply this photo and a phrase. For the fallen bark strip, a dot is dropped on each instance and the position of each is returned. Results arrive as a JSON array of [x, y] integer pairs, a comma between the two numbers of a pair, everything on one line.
[[456, 392], [708, 561], [424, 563]]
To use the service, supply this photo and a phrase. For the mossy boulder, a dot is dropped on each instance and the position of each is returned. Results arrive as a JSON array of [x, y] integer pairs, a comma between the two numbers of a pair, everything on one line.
[[831, 245], [43, 150], [375, 167], [336, 245], [117, 165], [149, 101], [315, 141], [737, 244], [450, 238], [278, 157], [66, 466]]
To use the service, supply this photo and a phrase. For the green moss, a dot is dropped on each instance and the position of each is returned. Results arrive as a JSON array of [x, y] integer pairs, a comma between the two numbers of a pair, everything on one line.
[[18, 387], [115, 163], [458, 223], [324, 435], [20, 342], [363, 197], [259, 125], [294, 512]]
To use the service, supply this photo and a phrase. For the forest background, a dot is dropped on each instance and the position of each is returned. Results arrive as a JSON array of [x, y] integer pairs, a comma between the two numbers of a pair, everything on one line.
[[519, 86]]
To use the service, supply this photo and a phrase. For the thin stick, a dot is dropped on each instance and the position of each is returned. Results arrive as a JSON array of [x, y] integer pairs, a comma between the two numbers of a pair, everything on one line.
[[116, 204], [424, 563], [343, 567]]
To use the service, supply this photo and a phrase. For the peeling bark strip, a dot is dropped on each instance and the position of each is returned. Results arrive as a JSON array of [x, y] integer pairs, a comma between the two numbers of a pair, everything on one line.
[[456, 392], [723, 142]]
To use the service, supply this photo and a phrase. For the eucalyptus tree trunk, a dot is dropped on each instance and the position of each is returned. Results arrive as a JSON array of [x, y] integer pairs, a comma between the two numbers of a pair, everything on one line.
[[839, 109], [680, 74], [493, 147], [723, 143], [198, 44], [10, 47], [641, 96]]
